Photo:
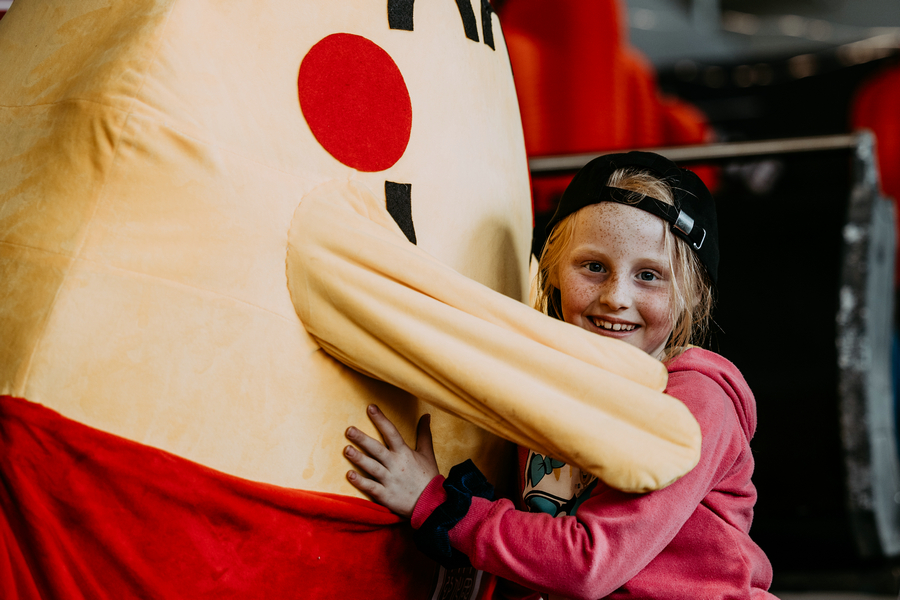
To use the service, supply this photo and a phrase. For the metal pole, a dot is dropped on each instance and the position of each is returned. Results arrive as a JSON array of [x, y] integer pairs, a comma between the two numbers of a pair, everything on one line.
[[707, 152]]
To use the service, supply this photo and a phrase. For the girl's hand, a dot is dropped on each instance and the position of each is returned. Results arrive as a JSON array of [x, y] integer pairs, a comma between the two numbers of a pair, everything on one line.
[[399, 473]]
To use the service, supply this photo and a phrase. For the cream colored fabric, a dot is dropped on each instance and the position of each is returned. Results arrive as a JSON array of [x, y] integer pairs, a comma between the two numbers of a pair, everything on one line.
[[152, 155], [386, 308]]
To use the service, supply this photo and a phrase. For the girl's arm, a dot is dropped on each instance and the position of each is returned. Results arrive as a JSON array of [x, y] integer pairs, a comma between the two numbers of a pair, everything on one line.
[[612, 538]]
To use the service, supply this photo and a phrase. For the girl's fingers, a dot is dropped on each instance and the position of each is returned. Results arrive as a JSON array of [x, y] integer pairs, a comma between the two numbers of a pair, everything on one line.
[[366, 463], [386, 427], [367, 486], [370, 445], [424, 443]]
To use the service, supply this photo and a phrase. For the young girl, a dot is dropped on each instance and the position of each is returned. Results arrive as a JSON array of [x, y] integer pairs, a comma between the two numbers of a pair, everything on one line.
[[632, 254]]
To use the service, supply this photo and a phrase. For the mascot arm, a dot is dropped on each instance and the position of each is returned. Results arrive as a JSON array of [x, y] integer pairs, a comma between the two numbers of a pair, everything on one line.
[[390, 310]]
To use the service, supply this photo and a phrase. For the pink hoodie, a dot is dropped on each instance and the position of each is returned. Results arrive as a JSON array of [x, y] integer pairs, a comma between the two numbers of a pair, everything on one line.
[[687, 541]]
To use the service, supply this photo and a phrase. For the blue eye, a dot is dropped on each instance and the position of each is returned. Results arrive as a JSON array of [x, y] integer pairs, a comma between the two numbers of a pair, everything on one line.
[[595, 267], [647, 276]]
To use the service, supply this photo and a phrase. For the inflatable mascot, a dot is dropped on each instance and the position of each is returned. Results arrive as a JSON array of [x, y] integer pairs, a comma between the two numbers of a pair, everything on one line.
[[227, 227]]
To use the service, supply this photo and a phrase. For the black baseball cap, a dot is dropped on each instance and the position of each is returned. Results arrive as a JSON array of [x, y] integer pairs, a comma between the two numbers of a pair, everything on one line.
[[693, 218]]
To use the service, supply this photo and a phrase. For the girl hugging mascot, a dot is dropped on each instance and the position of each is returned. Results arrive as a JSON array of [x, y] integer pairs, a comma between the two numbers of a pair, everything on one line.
[[227, 228]]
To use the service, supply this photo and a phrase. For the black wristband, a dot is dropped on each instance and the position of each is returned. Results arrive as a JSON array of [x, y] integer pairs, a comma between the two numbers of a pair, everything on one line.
[[433, 537]]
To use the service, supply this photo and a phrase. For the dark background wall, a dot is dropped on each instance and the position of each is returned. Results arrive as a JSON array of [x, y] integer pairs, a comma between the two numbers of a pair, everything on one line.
[[781, 219]]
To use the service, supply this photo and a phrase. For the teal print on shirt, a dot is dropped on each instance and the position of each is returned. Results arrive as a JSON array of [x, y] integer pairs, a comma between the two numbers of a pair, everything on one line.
[[539, 465], [553, 487]]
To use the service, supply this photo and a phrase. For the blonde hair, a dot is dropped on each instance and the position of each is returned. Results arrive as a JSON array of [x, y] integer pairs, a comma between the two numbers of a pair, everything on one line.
[[692, 296]]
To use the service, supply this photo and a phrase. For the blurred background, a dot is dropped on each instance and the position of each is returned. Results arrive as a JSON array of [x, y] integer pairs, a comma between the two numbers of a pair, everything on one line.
[[808, 270], [807, 282]]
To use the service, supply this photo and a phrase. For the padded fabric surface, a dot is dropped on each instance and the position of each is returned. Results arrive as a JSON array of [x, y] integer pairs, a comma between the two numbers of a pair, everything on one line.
[[88, 515], [152, 155]]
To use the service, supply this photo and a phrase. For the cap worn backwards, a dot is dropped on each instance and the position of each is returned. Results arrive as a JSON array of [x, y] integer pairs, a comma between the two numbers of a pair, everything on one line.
[[692, 218]]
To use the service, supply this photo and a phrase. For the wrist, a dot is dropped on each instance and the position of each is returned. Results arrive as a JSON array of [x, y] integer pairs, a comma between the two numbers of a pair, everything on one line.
[[432, 496], [433, 535]]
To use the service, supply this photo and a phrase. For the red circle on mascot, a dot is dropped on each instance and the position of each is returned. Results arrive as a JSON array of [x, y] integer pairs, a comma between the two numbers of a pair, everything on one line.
[[355, 101]]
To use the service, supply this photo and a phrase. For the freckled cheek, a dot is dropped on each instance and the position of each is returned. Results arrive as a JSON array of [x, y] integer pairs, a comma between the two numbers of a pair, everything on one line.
[[575, 298], [655, 308]]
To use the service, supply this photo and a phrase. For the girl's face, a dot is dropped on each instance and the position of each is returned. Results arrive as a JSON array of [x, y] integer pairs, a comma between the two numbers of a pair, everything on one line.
[[614, 278]]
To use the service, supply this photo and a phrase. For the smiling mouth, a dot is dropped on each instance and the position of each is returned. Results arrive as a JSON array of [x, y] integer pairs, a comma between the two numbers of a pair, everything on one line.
[[612, 326]]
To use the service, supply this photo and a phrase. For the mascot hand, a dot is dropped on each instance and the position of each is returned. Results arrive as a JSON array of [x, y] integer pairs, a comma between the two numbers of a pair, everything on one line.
[[399, 473]]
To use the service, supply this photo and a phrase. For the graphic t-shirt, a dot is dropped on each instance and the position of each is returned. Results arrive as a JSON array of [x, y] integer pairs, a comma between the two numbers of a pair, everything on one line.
[[553, 487]]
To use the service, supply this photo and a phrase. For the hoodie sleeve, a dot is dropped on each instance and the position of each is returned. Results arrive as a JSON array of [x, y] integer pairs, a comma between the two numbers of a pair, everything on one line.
[[614, 534], [389, 310]]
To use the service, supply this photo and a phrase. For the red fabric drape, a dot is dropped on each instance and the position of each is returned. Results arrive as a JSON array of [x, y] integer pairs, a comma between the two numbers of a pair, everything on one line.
[[582, 88], [875, 107], [88, 515]]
